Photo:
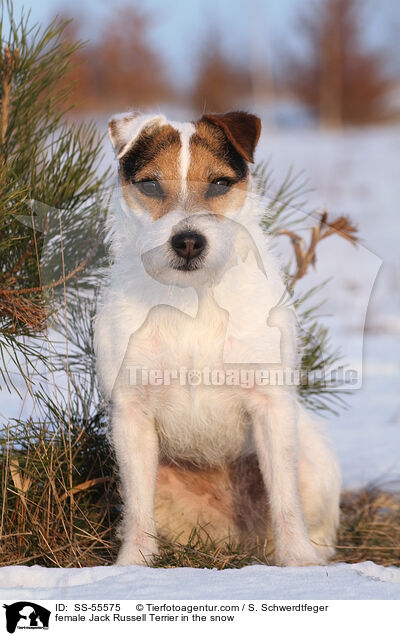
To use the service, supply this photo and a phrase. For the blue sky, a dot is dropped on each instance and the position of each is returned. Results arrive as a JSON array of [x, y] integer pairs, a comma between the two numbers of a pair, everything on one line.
[[180, 25], [250, 28]]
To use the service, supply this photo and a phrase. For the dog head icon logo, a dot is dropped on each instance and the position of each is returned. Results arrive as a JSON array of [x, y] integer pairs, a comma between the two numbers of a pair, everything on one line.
[[26, 615]]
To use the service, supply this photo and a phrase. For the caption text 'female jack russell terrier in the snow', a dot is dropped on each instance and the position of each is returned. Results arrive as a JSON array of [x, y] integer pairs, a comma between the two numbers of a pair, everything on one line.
[[191, 312]]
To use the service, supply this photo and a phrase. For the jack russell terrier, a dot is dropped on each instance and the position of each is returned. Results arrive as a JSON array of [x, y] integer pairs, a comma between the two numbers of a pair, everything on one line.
[[193, 310]]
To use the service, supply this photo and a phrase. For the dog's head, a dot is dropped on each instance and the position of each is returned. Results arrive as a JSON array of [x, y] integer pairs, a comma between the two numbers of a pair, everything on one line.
[[185, 181]]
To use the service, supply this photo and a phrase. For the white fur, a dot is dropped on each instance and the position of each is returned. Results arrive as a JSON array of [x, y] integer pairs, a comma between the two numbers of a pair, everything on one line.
[[130, 125], [186, 130], [158, 318]]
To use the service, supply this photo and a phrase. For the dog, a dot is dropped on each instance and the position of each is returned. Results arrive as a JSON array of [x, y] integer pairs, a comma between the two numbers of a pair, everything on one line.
[[194, 285]]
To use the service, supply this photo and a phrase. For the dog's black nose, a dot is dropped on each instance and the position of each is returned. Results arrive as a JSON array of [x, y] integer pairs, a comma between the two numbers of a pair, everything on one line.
[[188, 244]]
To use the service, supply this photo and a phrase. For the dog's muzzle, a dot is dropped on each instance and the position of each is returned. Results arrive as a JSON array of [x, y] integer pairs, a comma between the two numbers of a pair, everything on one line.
[[189, 247]]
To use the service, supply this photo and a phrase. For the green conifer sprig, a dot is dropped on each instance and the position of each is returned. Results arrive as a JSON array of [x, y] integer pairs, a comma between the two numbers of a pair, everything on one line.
[[46, 163]]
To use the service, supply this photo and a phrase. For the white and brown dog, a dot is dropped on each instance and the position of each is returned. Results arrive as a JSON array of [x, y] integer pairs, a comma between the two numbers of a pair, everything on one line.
[[194, 286]]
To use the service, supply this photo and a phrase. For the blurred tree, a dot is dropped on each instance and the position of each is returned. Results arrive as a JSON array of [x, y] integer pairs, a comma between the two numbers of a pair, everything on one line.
[[220, 83], [340, 78], [120, 68]]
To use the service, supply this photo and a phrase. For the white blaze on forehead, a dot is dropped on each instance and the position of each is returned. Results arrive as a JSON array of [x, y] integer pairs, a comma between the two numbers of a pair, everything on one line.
[[186, 130]]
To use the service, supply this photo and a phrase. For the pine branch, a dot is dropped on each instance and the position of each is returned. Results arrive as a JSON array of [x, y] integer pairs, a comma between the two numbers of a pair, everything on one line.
[[57, 283], [23, 311]]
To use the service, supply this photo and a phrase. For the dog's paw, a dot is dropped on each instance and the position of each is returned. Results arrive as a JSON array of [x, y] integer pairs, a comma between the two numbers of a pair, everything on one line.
[[307, 555], [137, 553]]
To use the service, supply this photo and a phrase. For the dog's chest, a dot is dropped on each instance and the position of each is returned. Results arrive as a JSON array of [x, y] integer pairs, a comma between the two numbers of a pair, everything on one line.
[[199, 417]]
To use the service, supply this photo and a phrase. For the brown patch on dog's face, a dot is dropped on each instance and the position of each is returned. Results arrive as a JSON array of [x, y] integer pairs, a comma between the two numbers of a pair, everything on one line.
[[149, 172], [241, 129], [218, 174], [217, 171]]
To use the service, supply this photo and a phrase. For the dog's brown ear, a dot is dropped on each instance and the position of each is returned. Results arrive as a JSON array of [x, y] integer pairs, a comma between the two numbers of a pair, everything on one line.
[[241, 128], [125, 129]]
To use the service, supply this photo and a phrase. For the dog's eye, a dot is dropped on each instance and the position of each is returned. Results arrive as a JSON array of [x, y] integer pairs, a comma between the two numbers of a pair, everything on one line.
[[151, 188], [219, 187]]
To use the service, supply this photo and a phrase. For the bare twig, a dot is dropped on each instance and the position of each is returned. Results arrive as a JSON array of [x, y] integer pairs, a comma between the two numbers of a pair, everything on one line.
[[86, 484], [306, 256], [8, 66]]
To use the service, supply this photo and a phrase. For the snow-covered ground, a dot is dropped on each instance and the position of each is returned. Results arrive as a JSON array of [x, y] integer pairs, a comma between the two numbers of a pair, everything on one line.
[[355, 173], [359, 581]]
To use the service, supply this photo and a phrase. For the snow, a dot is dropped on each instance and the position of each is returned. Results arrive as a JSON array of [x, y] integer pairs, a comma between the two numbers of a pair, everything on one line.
[[363, 580], [356, 173]]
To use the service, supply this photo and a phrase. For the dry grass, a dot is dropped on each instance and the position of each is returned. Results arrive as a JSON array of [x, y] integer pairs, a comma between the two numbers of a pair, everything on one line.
[[369, 530], [370, 527], [44, 523], [204, 553], [43, 520]]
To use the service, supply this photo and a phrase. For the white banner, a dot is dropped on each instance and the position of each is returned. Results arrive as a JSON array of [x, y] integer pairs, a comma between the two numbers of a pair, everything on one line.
[[176, 617]]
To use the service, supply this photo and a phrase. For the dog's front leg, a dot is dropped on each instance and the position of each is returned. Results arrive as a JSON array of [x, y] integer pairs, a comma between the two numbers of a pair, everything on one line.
[[136, 446], [275, 435]]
